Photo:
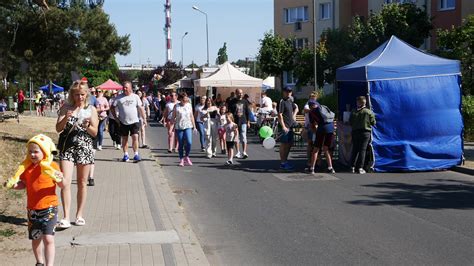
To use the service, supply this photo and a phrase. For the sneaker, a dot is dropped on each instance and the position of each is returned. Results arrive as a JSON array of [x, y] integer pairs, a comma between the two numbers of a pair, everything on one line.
[[286, 166], [90, 182], [229, 162], [144, 146], [309, 170], [203, 150], [137, 158], [99, 147], [125, 158], [118, 147], [214, 155], [187, 160], [223, 152], [181, 162], [353, 170], [245, 155], [331, 171], [238, 155], [361, 171], [170, 151]]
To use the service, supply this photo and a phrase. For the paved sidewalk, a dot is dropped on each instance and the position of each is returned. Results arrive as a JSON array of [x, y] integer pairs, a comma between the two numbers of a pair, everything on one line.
[[132, 218]]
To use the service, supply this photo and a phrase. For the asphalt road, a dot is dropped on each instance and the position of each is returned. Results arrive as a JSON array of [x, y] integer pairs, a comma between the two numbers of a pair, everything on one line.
[[252, 213]]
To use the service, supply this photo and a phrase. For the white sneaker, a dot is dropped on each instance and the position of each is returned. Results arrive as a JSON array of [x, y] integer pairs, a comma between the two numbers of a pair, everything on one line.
[[353, 170], [118, 147], [361, 171], [99, 148], [238, 155]]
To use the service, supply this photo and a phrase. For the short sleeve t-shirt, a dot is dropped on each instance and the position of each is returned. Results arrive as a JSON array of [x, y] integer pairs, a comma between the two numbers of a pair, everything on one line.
[[40, 188], [199, 111], [184, 115], [128, 108], [286, 109], [170, 108], [266, 104]]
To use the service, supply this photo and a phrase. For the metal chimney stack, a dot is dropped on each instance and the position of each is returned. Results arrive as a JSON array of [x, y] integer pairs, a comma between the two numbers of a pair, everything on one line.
[[168, 30]]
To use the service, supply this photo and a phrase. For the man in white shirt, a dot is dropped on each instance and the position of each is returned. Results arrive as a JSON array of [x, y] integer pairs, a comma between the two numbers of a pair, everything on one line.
[[265, 103], [129, 106]]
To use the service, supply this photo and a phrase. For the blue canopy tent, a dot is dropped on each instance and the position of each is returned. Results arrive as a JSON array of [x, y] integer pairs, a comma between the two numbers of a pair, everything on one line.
[[55, 87], [416, 98]]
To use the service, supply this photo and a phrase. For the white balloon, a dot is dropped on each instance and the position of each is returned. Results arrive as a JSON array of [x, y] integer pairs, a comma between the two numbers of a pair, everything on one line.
[[269, 143]]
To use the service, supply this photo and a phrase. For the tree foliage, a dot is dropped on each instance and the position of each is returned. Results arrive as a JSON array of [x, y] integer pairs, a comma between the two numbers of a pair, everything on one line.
[[339, 47], [51, 43], [458, 43], [276, 54], [222, 55]]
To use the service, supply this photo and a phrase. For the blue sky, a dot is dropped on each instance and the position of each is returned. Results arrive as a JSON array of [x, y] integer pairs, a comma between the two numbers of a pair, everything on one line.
[[239, 23]]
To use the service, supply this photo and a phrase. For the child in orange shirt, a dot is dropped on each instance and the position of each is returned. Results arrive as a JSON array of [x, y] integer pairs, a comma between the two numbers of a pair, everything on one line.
[[39, 175]]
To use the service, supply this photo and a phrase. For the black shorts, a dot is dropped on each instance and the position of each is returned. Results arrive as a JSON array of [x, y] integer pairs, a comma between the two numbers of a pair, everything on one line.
[[42, 222], [128, 130], [230, 144]]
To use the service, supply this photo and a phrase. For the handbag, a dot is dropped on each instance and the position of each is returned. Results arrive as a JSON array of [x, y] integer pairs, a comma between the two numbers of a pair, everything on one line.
[[67, 139]]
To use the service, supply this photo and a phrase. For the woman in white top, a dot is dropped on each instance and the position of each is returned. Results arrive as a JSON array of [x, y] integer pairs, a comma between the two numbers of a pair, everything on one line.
[[211, 121], [169, 122], [198, 113], [142, 132], [184, 123], [79, 118]]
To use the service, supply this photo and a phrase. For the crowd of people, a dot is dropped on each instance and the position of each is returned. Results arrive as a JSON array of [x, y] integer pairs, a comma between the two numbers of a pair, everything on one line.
[[222, 125]]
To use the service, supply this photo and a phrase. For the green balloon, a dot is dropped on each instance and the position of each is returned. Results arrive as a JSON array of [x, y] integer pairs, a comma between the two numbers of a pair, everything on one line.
[[265, 132]]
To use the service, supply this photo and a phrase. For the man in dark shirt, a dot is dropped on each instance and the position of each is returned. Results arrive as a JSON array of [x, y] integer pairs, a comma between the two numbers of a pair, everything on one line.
[[239, 107], [324, 136], [286, 120]]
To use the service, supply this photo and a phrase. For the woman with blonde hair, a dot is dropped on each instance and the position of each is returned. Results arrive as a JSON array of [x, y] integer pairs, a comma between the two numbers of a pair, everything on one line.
[[78, 123]]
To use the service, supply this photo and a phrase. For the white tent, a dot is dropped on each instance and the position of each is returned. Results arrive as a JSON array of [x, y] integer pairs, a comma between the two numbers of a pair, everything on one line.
[[229, 76], [228, 79], [269, 83]]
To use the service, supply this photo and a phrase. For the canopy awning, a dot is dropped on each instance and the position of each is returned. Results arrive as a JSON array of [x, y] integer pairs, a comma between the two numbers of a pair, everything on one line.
[[55, 88], [229, 76], [110, 85], [396, 59]]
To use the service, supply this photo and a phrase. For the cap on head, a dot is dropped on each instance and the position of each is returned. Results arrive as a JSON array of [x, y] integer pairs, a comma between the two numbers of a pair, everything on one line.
[[287, 88], [84, 79]]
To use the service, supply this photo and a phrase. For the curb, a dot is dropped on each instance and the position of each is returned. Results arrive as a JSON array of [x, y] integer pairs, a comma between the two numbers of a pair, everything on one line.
[[463, 170]]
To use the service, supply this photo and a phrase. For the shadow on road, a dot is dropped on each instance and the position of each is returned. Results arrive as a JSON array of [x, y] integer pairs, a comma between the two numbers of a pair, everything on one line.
[[13, 220], [443, 194]]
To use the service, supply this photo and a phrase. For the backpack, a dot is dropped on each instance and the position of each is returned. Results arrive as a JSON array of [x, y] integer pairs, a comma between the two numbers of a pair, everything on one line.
[[326, 114]]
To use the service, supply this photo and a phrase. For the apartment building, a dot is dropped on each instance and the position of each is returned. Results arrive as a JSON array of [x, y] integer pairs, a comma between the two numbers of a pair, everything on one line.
[[296, 18]]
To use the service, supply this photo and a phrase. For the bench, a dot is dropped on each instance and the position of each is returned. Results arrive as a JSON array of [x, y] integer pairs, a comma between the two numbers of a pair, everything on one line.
[[297, 131], [8, 115]]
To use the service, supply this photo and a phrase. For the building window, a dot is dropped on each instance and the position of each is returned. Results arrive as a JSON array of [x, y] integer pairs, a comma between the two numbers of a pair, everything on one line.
[[325, 11], [300, 43], [288, 78], [295, 14], [447, 4], [400, 1]]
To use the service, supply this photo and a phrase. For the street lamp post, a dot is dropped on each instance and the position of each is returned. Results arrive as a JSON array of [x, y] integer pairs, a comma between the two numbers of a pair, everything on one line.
[[207, 31], [182, 54]]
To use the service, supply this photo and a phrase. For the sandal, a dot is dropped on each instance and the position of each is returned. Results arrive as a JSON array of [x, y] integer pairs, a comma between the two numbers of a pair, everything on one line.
[[80, 221], [63, 224]]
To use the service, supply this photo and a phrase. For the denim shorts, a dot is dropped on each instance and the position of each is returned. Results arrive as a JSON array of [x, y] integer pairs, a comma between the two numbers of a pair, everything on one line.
[[243, 133]]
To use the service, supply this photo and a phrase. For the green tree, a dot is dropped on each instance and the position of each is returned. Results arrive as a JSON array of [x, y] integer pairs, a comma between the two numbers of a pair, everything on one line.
[[458, 43], [253, 65], [222, 55], [53, 42], [339, 47], [276, 54]]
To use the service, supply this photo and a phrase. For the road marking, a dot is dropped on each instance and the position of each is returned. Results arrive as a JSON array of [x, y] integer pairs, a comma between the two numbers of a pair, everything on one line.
[[119, 238], [305, 177]]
